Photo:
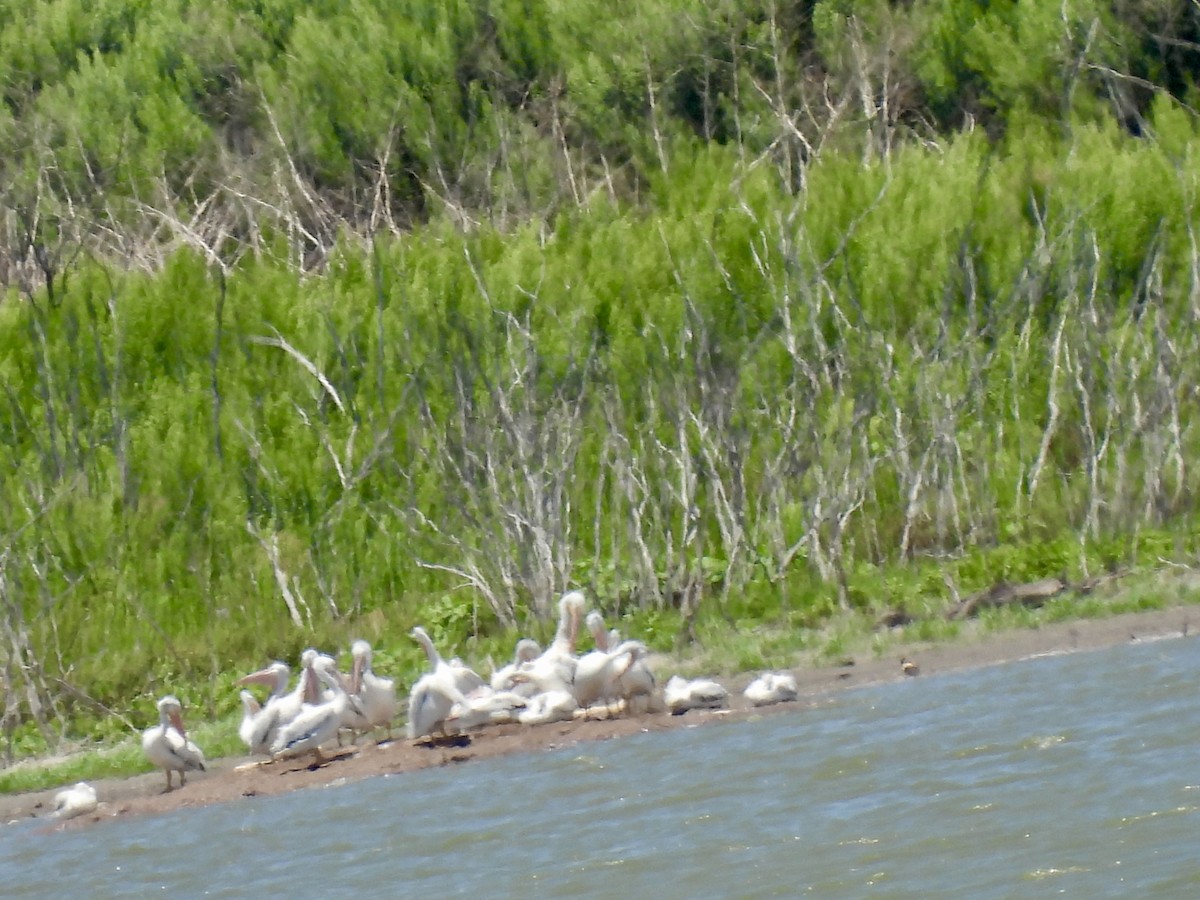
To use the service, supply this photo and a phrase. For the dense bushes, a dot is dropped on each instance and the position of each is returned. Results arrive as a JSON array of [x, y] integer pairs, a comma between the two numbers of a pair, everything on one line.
[[328, 317]]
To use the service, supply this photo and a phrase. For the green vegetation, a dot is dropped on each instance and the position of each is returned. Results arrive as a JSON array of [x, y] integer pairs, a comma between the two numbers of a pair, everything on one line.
[[323, 319]]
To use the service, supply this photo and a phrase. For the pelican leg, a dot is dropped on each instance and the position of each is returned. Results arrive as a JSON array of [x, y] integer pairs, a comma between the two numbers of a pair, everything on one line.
[[168, 774], [182, 778], [318, 759]]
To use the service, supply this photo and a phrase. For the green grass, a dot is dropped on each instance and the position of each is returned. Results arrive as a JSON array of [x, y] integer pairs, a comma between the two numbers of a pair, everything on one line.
[[722, 651], [119, 759]]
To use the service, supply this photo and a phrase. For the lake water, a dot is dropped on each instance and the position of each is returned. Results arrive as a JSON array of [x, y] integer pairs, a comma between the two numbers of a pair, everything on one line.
[[1073, 775]]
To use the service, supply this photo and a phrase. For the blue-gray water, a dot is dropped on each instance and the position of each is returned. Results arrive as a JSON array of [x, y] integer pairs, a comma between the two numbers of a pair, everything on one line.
[[1072, 775]]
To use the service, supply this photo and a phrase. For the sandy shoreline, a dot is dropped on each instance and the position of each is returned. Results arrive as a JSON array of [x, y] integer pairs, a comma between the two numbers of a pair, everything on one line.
[[231, 779]]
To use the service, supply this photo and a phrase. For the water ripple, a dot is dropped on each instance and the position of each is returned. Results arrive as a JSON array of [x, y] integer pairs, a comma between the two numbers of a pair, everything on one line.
[[1063, 771]]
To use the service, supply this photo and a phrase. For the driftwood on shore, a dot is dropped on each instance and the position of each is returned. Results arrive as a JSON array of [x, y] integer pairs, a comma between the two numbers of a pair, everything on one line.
[[1032, 594]]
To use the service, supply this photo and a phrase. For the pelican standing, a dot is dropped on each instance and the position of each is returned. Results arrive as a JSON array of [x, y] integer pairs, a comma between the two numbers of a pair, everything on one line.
[[634, 682], [166, 744], [318, 722], [595, 672], [251, 711], [281, 706], [376, 693], [430, 702], [434, 695], [75, 801]]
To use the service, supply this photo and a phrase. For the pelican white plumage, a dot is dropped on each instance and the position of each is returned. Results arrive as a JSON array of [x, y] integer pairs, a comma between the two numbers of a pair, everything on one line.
[[166, 744], [771, 687], [376, 694], [484, 706], [634, 682], [596, 672], [527, 649], [251, 710], [317, 722], [465, 679], [75, 801], [699, 693], [430, 702], [281, 706], [554, 670], [547, 707]]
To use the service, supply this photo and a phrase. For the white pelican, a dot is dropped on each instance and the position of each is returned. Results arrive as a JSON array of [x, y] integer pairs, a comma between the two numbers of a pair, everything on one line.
[[700, 693], [547, 707], [465, 679], [771, 687], [527, 649], [75, 801], [166, 744], [430, 702], [554, 670], [354, 717], [376, 694], [634, 682], [251, 710], [596, 672], [484, 706], [281, 706], [318, 722]]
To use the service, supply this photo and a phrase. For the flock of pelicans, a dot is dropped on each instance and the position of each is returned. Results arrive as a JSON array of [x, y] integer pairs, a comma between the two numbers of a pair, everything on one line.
[[537, 687]]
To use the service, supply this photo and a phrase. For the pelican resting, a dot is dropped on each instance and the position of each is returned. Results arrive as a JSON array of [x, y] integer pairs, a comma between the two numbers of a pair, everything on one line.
[[75, 801], [771, 687], [700, 693], [166, 744], [485, 707], [547, 707]]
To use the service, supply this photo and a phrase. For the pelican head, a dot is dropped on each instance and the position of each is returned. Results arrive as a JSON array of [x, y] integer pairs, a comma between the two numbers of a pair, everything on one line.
[[527, 649], [595, 624], [275, 676], [572, 603], [170, 710], [360, 651]]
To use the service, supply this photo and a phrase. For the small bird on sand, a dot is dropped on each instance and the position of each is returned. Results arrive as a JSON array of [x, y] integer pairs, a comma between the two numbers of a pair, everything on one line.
[[908, 667]]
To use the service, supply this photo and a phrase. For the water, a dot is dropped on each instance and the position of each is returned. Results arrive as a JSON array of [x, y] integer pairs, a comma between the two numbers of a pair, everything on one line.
[[1072, 775]]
